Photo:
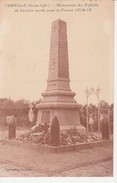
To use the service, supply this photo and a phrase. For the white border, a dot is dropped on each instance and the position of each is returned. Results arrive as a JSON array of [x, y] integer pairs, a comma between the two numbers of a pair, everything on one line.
[[85, 179]]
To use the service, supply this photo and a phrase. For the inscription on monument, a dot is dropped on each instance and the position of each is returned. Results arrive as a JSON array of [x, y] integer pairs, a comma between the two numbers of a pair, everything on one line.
[[45, 117]]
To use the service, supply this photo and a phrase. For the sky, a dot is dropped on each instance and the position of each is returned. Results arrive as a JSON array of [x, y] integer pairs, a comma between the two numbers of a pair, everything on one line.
[[25, 47]]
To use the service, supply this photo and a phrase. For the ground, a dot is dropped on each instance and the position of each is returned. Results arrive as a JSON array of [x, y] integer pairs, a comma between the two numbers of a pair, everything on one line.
[[22, 162]]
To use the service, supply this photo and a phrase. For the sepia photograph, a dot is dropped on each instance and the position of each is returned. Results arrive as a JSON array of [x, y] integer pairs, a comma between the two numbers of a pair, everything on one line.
[[56, 88]]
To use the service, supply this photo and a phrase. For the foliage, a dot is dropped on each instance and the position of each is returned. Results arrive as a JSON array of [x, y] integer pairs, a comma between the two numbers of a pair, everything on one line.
[[104, 108], [19, 109]]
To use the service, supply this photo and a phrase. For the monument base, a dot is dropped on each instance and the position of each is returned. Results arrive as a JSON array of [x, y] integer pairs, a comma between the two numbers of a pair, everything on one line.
[[67, 114]]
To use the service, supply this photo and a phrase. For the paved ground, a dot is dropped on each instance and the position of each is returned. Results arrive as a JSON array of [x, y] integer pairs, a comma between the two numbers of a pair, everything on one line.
[[20, 162]]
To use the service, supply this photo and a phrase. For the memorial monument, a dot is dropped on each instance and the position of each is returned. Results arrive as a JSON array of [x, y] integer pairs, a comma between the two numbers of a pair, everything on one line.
[[58, 99]]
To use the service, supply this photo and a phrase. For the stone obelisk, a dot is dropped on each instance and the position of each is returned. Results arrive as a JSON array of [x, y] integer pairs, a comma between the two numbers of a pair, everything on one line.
[[58, 99]]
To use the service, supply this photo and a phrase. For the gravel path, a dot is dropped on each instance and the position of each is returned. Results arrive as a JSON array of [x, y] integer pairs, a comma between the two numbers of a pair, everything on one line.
[[102, 169], [17, 161]]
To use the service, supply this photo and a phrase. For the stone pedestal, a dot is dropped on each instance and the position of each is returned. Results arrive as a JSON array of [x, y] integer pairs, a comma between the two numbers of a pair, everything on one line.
[[58, 99]]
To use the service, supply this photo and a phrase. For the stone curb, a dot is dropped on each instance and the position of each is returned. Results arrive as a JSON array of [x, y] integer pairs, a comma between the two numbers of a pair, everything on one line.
[[58, 149]]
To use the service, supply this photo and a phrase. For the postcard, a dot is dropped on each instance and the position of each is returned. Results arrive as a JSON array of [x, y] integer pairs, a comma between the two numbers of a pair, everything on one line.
[[56, 88]]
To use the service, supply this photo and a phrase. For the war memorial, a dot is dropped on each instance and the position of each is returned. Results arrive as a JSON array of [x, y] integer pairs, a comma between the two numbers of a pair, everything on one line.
[[58, 99], [58, 127]]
